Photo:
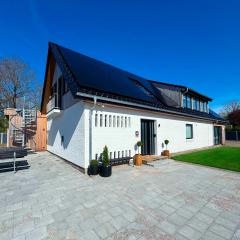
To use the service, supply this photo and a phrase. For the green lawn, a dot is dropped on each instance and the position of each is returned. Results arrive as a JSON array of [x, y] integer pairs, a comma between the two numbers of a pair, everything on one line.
[[220, 157]]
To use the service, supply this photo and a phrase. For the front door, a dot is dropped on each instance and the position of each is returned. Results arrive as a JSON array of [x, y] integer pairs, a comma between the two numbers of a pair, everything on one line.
[[148, 137], [217, 135]]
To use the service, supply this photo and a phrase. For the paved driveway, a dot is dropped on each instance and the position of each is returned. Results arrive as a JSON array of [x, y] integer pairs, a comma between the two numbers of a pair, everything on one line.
[[52, 200]]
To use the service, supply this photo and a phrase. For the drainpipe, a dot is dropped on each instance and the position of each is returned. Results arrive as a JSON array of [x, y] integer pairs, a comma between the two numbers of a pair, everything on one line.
[[91, 127]]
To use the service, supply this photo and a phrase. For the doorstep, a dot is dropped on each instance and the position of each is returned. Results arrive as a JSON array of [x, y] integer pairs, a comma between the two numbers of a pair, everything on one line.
[[151, 158]]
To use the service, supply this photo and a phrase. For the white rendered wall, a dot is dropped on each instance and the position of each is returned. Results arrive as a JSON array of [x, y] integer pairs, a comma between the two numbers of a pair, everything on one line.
[[71, 125], [171, 128]]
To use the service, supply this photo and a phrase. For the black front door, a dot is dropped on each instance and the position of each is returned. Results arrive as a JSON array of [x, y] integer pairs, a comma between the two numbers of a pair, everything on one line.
[[148, 137], [217, 135]]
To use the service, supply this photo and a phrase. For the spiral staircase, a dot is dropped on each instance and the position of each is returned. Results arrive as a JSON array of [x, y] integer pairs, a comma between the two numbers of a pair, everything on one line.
[[22, 127]]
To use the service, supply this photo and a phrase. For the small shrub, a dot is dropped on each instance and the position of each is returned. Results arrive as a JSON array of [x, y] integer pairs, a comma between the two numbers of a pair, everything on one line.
[[139, 144], [166, 143], [105, 157], [94, 162]]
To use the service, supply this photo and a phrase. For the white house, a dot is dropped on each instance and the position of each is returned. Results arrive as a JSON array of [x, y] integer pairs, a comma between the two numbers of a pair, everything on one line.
[[90, 104]]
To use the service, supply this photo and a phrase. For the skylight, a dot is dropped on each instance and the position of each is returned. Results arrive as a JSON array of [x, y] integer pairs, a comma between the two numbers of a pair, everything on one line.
[[141, 87]]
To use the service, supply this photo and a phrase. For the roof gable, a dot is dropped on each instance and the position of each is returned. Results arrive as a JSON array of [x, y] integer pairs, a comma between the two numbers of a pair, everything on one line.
[[85, 74]]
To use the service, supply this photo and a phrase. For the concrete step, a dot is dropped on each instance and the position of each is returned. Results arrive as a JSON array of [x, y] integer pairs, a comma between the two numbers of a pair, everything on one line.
[[160, 163], [151, 158]]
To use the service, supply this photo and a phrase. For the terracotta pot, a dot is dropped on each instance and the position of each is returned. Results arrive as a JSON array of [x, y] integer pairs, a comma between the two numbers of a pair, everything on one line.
[[138, 159], [166, 153]]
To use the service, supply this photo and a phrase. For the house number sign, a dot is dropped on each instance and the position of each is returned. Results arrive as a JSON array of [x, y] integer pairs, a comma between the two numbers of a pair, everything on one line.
[[137, 133]]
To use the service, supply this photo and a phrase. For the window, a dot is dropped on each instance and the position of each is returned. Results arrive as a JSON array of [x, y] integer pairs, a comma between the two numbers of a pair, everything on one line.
[[114, 121], [105, 120], [110, 120], [197, 103], [101, 120], [96, 120], [121, 122], [187, 101], [184, 101], [129, 154], [201, 106], [122, 153], [126, 153], [114, 154], [125, 122], [189, 131], [205, 109], [110, 155], [96, 156], [141, 87], [118, 121], [194, 104], [129, 122], [118, 154]]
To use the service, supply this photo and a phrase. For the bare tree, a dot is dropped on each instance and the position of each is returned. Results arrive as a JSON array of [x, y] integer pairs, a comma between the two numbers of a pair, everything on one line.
[[229, 108], [16, 79]]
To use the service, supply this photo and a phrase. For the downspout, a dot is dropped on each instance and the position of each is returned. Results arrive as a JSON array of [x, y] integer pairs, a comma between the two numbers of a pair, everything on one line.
[[185, 91], [91, 127]]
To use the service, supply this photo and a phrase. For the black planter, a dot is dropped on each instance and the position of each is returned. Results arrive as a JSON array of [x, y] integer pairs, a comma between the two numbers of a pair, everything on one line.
[[105, 171], [93, 170]]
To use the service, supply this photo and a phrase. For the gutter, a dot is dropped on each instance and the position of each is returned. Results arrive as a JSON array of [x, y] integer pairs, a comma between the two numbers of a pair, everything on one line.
[[85, 95]]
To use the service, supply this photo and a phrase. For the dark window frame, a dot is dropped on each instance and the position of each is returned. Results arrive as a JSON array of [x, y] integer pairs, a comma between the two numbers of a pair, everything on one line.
[[191, 126]]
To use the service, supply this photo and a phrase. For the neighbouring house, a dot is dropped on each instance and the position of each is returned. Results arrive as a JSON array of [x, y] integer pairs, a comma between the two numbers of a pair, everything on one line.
[[90, 104]]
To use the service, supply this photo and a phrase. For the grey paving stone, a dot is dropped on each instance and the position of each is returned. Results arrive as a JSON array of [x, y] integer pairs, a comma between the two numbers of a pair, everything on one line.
[[115, 211], [167, 209], [211, 236], [37, 234], [204, 218], [119, 222], [177, 219], [198, 225], [90, 235], [22, 237], [236, 235], [52, 200], [105, 230], [184, 213], [23, 228], [190, 233], [227, 223], [221, 231], [168, 227]]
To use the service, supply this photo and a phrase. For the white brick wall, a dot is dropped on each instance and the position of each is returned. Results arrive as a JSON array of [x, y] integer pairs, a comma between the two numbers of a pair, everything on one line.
[[73, 124], [171, 128]]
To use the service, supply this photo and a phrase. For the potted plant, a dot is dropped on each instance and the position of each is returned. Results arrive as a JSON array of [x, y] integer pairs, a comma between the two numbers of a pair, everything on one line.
[[166, 152], [138, 156], [93, 168], [106, 167]]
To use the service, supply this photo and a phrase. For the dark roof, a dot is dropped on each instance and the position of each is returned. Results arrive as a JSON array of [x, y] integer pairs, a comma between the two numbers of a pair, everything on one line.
[[88, 75], [183, 89]]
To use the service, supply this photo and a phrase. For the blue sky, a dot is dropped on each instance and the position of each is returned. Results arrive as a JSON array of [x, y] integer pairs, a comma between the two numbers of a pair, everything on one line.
[[194, 43]]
